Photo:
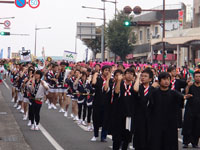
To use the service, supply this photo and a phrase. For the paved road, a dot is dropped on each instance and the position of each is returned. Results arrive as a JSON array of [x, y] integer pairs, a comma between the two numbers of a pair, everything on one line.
[[58, 133]]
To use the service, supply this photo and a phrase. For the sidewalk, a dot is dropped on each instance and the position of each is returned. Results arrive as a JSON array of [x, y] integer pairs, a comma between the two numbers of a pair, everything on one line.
[[11, 137]]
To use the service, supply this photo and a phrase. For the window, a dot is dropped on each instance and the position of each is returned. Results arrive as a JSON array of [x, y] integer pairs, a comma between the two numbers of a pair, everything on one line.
[[156, 30], [141, 36], [148, 33]]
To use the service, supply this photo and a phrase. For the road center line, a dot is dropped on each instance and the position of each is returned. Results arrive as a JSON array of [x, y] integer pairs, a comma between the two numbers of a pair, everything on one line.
[[44, 131]]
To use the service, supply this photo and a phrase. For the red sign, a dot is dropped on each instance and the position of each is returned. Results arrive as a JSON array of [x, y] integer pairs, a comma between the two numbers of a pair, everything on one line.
[[34, 3]]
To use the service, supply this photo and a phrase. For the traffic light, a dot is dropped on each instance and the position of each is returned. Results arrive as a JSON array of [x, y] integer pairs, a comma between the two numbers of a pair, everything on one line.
[[128, 23], [4, 33]]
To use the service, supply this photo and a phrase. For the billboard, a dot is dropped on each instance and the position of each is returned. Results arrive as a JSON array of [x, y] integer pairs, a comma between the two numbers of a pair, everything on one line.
[[86, 30], [26, 58], [69, 56]]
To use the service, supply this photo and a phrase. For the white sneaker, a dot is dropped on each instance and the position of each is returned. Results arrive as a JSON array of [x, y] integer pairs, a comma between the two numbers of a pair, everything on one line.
[[94, 139], [25, 117], [65, 114], [36, 128], [79, 122], [61, 110], [72, 116], [90, 128], [76, 118], [32, 127], [49, 107], [22, 111], [53, 106], [29, 123], [47, 101], [19, 107], [83, 123], [15, 105], [13, 100]]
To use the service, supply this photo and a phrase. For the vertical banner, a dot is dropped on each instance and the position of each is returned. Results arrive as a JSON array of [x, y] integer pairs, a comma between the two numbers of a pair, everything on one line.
[[86, 58], [9, 51], [1, 55], [180, 17], [43, 53]]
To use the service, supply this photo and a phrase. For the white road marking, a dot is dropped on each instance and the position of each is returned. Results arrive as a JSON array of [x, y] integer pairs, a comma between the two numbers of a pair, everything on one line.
[[180, 140], [6, 85], [83, 127], [50, 138], [44, 131]]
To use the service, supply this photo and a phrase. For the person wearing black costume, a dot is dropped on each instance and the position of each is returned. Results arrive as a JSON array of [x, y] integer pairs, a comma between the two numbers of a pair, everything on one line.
[[177, 84], [100, 103], [191, 124], [124, 110], [162, 124], [143, 91]]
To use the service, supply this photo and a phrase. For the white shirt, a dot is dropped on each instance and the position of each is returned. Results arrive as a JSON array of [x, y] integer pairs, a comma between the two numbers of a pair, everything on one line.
[[41, 91]]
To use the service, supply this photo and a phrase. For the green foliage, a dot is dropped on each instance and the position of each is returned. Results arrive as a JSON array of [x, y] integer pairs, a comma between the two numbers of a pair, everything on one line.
[[119, 37]]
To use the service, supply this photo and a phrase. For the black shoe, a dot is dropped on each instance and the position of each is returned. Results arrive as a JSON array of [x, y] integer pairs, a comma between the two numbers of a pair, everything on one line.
[[103, 140], [185, 146], [195, 146]]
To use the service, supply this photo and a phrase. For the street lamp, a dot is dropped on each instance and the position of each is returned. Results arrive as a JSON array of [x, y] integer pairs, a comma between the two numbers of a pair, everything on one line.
[[94, 18], [114, 2], [36, 29], [137, 10], [103, 28]]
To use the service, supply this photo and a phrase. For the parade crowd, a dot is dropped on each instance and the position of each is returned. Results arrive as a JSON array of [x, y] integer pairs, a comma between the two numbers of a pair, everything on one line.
[[143, 104]]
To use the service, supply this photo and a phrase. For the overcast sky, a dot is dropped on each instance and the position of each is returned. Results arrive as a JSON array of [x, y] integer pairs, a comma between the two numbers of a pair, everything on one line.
[[62, 16]]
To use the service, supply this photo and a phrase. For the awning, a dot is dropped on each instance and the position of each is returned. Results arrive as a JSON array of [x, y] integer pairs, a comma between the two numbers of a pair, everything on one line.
[[176, 40]]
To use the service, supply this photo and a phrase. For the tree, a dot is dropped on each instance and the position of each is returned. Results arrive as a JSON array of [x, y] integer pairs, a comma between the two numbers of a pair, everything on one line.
[[94, 44], [119, 37]]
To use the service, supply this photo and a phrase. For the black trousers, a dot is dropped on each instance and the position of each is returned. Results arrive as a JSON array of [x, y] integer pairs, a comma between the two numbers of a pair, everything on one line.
[[187, 139], [30, 110], [82, 108], [35, 112], [89, 114], [123, 141]]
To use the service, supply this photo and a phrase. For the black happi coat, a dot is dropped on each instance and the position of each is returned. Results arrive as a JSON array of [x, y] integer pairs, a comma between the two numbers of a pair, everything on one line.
[[191, 125], [123, 106], [179, 84], [100, 105], [141, 118], [162, 124]]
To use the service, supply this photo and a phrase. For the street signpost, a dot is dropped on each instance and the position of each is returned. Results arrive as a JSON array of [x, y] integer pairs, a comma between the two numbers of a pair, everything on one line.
[[86, 30], [7, 24], [34, 3], [20, 3]]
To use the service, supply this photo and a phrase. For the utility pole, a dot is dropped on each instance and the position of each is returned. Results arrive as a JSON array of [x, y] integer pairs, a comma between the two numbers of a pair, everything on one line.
[[163, 51]]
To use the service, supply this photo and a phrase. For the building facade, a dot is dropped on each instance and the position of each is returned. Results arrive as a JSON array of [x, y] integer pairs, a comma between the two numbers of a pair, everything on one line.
[[151, 28], [196, 13]]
